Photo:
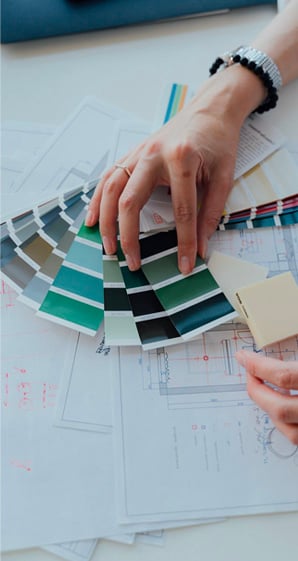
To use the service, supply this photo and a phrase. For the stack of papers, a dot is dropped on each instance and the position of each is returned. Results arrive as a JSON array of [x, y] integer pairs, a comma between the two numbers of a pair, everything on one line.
[[56, 264], [117, 441]]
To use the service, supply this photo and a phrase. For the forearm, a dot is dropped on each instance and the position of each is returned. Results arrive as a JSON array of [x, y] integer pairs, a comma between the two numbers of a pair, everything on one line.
[[236, 91], [195, 152], [279, 40]]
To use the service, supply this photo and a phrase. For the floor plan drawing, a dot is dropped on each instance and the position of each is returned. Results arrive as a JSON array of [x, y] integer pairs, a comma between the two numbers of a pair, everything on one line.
[[211, 376]]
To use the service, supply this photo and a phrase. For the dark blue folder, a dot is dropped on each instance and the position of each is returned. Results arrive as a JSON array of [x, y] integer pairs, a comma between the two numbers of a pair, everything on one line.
[[22, 20]]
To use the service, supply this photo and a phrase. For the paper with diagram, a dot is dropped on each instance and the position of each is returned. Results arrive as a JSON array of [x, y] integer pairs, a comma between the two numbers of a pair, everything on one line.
[[207, 449]]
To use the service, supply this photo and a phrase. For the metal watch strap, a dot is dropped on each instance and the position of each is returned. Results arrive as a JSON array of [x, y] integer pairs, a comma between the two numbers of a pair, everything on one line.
[[260, 59]]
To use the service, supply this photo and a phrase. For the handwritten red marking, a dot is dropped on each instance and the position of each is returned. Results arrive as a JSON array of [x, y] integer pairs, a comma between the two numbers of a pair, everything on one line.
[[22, 465], [26, 400], [8, 294]]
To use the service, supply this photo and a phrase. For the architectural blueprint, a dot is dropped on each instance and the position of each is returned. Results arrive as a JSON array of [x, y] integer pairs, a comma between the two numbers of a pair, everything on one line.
[[203, 447], [275, 248], [204, 371], [199, 443]]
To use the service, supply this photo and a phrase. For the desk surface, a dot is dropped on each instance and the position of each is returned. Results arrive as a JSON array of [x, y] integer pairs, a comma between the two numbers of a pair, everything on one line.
[[129, 68]]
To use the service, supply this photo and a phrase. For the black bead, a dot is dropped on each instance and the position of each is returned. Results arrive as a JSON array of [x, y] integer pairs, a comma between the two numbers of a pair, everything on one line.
[[259, 71], [215, 66], [266, 82], [272, 96]]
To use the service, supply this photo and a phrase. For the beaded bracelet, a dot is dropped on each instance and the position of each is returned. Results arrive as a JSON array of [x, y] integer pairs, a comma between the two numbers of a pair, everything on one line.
[[261, 65]]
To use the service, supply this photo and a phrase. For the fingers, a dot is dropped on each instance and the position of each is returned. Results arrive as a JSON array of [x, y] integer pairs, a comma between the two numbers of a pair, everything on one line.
[[122, 194], [204, 156], [282, 409], [137, 192], [279, 403], [290, 431], [107, 182], [92, 216], [110, 194], [283, 374], [182, 170]]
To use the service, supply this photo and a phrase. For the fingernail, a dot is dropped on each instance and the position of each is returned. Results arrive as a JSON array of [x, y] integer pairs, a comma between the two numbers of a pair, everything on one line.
[[108, 245], [203, 249], [89, 220], [184, 265], [132, 263]]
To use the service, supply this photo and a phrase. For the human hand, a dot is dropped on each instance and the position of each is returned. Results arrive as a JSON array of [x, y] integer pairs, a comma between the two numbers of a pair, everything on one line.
[[194, 153], [281, 406]]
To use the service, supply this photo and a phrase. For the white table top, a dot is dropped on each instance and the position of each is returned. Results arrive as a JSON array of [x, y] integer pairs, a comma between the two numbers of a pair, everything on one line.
[[129, 67]]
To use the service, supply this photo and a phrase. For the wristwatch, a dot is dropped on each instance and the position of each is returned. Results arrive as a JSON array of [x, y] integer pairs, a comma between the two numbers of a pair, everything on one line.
[[259, 58]]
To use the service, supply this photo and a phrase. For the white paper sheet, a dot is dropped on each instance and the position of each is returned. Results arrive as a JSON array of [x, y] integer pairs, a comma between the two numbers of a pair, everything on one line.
[[128, 539], [292, 147], [151, 538], [258, 139], [20, 144], [73, 551], [128, 135], [39, 463], [23, 140], [11, 168], [86, 384], [66, 476], [77, 152], [206, 450]]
